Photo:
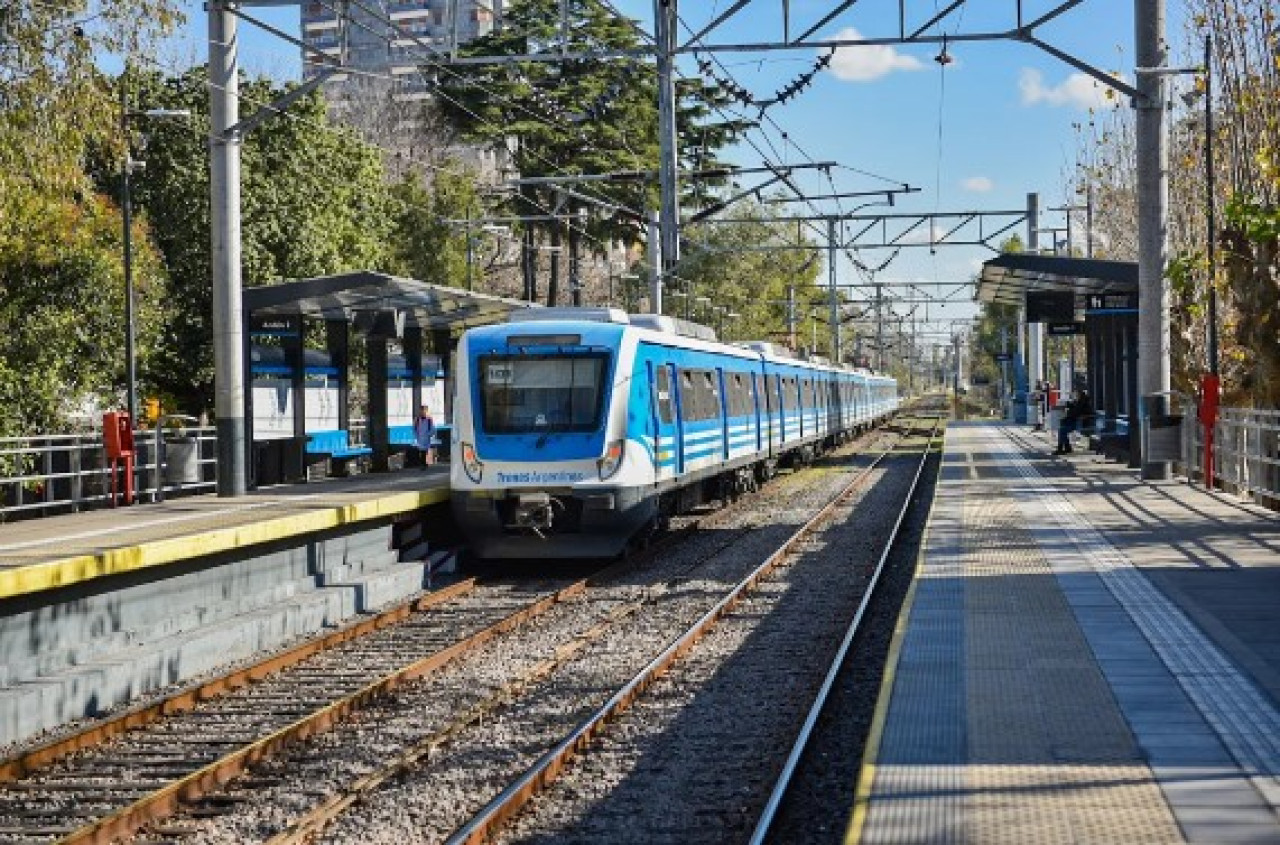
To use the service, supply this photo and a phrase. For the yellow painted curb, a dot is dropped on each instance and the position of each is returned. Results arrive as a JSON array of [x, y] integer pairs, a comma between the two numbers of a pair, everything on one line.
[[35, 578], [862, 796]]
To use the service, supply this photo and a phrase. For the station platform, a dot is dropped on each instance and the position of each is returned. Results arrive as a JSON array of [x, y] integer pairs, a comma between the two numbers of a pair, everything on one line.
[[1084, 658], [45, 554]]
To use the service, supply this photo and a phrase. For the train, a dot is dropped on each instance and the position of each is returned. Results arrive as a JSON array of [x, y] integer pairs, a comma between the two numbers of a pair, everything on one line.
[[579, 431]]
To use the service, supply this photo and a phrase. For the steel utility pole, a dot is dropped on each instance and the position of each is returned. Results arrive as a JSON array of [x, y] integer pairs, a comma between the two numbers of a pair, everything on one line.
[[665, 37], [224, 198], [1035, 331], [1153, 201], [835, 301]]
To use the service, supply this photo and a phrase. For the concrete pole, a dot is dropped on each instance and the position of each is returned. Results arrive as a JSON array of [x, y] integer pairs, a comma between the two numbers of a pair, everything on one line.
[[655, 264], [1153, 207], [664, 15], [224, 198], [834, 296]]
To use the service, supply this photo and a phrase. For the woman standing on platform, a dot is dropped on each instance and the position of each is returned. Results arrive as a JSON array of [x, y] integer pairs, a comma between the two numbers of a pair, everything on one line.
[[424, 434]]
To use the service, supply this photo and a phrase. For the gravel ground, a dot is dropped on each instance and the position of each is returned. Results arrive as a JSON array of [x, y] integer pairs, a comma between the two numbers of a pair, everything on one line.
[[652, 604], [696, 758]]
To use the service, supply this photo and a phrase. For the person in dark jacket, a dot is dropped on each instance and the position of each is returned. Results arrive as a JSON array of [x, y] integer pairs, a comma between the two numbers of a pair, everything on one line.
[[1078, 410]]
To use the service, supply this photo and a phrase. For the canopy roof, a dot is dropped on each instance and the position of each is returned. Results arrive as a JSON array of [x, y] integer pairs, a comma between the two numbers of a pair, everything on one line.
[[1007, 278], [343, 296]]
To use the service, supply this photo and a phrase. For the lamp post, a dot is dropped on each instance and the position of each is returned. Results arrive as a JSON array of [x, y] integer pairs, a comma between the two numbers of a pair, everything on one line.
[[126, 212]]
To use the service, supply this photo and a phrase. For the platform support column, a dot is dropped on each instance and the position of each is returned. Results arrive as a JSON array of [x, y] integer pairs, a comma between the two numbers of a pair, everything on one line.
[[224, 194], [1152, 142]]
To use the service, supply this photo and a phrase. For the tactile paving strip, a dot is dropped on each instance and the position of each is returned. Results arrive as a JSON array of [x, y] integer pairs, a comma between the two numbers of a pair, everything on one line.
[[1001, 726], [1210, 734]]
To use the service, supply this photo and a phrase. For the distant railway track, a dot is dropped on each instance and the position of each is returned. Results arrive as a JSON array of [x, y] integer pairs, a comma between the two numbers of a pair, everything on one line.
[[128, 773], [485, 825]]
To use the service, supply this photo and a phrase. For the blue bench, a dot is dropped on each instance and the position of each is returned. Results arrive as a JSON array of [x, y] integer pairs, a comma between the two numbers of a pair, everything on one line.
[[401, 435], [334, 444]]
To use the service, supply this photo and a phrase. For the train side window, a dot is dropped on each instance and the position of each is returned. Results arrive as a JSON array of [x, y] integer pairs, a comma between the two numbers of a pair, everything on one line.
[[710, 396], [663, 387]]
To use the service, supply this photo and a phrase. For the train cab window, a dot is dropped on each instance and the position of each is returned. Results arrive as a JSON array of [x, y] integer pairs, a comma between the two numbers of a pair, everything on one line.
[[662, 386], [532, 394]]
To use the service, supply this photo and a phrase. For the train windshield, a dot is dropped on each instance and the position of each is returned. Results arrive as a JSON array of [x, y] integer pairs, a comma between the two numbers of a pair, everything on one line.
[[536, 394]]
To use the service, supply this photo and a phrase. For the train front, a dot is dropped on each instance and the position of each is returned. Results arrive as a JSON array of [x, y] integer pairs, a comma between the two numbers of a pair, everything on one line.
[[541, 466]]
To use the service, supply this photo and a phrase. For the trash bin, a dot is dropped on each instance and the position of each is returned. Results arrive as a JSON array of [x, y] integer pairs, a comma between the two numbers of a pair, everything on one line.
[[1162, 430], [181, 464]]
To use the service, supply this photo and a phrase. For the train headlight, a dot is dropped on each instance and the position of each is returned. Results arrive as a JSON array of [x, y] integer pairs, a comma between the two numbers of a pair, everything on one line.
[[612, 460], [472, 465]]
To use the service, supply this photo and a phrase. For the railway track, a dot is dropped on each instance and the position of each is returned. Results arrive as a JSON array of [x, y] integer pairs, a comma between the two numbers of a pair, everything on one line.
[[488, 723], [686, 763], [128, 774]]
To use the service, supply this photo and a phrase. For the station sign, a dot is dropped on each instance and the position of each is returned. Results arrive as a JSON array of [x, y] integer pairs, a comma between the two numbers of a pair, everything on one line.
[[1064, 329], [1111, 303], [276, 325]]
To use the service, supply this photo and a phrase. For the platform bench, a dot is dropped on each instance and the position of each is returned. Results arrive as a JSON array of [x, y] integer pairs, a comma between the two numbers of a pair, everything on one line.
[[336, 447]]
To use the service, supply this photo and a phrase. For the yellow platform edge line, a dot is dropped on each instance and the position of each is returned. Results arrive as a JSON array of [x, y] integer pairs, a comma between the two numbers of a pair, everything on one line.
[[866, 776], [63, 572]]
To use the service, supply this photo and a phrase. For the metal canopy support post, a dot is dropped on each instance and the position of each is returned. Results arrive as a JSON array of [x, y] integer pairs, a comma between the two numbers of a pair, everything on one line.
[[376, 434], [665, 23], [224, 198], [1035, 331], [1153, 201]]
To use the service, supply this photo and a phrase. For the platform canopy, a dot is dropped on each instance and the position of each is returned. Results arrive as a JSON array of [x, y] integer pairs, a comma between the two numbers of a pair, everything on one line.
[[366, 295], [1006, 279]]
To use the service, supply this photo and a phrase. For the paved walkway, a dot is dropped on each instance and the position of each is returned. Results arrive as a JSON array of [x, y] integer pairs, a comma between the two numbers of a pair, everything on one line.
[[1086, 658], [45, 554]]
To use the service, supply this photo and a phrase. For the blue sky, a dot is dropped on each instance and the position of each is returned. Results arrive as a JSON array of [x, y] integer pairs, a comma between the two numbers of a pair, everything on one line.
[[980, 134]]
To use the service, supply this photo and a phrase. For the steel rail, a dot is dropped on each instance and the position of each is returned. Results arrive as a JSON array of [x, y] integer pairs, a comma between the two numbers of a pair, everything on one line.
[[163, 802], [783, 784], [548, 767], [31, 761], [309, 824]]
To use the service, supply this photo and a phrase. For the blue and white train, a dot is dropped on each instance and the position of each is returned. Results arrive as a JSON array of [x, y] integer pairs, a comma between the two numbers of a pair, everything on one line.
[[575, 430]]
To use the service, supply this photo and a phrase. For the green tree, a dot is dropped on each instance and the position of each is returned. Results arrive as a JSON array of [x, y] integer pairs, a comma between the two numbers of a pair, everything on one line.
[[61, 288], [752, 283], [580, 116], [424, 245], [313, 199]]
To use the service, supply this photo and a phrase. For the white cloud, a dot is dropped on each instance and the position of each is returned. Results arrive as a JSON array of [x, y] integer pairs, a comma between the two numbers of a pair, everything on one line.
[[923, 235], [1079, 90], [977, 184], [863, 64]]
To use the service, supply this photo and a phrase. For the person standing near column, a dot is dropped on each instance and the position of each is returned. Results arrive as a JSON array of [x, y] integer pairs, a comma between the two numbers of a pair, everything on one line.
[[424, 434]]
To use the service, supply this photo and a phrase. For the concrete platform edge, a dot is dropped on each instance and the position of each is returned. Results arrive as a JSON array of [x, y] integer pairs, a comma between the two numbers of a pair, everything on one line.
[[866, 775], [25, 580]]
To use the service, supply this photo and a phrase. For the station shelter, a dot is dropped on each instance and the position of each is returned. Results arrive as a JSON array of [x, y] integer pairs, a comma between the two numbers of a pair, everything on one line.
[[299, 339], [1082, 296]]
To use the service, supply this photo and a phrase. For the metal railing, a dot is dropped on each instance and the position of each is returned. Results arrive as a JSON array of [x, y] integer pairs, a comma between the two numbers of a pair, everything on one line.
[[64, 473], [1246, 459]]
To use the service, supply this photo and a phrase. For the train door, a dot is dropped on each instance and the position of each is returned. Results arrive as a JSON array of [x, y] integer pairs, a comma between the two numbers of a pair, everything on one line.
[[723, 404], [666, 448], [678, 421], [755, 412]]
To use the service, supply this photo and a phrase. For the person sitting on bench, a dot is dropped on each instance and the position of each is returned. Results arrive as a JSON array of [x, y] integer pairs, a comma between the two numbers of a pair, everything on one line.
[[1078, 411]]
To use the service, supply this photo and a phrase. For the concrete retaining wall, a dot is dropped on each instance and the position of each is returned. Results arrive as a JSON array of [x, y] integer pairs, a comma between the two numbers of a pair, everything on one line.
[[81, 651]]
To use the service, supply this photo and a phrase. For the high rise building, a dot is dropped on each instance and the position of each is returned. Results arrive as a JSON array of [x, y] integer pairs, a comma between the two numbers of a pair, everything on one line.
[[387, 47], [390, 37]]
